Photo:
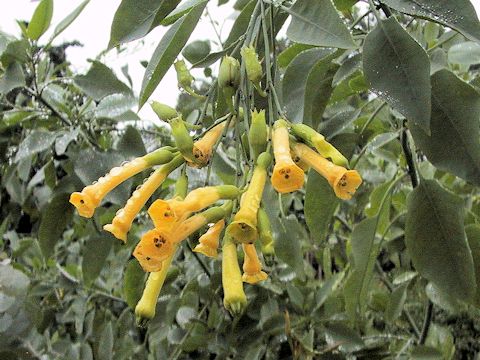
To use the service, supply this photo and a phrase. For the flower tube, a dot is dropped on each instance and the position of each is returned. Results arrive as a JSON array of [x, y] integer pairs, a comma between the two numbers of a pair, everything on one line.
[[157, 245], [244, 227], [145, 309], [252, 269], [123, 220], [234, 298], [265, 232], [344, 182], [208, 242], [202, 149], [287, 176], [92, 195], [317, 140]]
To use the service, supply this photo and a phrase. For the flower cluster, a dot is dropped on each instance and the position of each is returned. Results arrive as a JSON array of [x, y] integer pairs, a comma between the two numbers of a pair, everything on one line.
[[227, 212]]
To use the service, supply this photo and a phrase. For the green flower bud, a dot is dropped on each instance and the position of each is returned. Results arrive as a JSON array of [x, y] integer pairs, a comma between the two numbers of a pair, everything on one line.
[[252, 64], [164, 112], [184, 77], [265, 232], [258, 134], [229, 73], [181, 186], [183, 140]]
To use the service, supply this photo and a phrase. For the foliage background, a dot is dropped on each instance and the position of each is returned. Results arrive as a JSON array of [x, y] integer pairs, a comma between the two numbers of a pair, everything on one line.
[[389, 274]]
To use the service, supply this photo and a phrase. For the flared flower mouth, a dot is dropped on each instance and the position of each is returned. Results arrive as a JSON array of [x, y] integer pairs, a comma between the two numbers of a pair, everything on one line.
[[117, 230], [206, 250], [253, 278], [346, 184], [287, 177], [155, 246], [242, 231], [162, 214], [84, 203], [201, 155]]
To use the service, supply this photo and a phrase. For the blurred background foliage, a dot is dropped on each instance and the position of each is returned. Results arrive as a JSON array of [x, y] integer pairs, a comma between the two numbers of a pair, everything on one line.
[[67, 288]]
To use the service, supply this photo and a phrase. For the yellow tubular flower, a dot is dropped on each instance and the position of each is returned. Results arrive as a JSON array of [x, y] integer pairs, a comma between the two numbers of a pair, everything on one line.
[[208, 242], [202, 149], [287, 176], [92, 195], [344, 182], [123, 220], [317, 140], [252, 269], [300, 163], [145, 309], [244, 227], [234, 298]]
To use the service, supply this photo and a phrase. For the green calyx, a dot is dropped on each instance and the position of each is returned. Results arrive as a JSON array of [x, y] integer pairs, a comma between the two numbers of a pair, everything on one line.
[[229, 73], [216, 213], [258, 134], [253, 68], [173, 164], [228, 191], [164, 112], [264, 160], [185, 79], [181, 186], [159, 157], [265, 231], [183, 140]]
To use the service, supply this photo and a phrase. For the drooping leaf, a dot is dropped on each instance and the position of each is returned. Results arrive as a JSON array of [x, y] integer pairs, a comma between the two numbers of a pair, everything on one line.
[[69, 19], [316, 22], [100, 81], [114, 105], [348, 67], [134, 19], [105, 343], [12, 78], [435, 239], [290, 53], [320, 205], [338, 123], [396, 302], [181, 10], [55, 217], [133, 282], [37, 141], [131, 144], [196, 51], [168, 49], [398, 71], [41, 19], [349, 340], [454, 144], [306, 86], [459, 14], [466, 53], [241, 23], [95, 253]]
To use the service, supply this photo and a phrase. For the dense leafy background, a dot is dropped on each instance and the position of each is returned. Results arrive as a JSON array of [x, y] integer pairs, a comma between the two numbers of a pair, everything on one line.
[[393, 273]]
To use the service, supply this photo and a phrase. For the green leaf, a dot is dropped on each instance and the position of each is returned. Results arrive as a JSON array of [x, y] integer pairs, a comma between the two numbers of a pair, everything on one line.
[[444, 300], [338, 123], [196, 51], [131, 144], [348, 68], [441, 256], [473, 236], [69, 19], [15, 51], [55, 217], [95, 253], [100, 81], [168, 49], [114, 105], [37, 141], [105, 343], [441, 338], [136, 18], [184, 315], [337, 333], [306, 86], [422, 352], [453, 145], [398, 71], [466, 53], [344, 5], [364, 251], [328, 287], [12, 78], [181, 10], [241, 23], [459, 14], [287, 55], [320, 205], [396, 302], [41, 19], [133, 283], [316, 22]]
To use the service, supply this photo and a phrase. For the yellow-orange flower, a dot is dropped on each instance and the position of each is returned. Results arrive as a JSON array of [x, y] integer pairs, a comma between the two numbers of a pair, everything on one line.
[[88, 200], [234, 298], [243, 229], [123, 220], [154, 247], [344, 182], [202, 149], [252, 269], [208, 242], [287, 176]]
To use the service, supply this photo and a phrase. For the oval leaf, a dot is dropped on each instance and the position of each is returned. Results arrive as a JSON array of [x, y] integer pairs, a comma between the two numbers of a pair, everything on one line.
[[316, 22], [398, 71], [453, 145], [168, 49], [435, 239], [41, 19]]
